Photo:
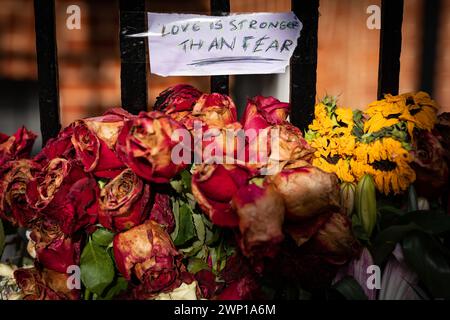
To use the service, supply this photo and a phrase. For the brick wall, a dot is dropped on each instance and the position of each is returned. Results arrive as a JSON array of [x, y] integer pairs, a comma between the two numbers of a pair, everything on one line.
[[89, 58]]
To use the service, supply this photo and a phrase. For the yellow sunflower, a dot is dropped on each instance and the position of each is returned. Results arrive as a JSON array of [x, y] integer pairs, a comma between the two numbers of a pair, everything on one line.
[[422, 111], [387, 161], [322, 122], [385, 113], [337, 165]]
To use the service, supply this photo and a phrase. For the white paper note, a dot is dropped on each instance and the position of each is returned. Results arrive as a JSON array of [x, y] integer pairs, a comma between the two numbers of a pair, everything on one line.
[[188, 44]]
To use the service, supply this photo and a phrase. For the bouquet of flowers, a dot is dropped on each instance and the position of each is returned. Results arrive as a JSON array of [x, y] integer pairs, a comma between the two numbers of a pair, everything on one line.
[[188, 202]]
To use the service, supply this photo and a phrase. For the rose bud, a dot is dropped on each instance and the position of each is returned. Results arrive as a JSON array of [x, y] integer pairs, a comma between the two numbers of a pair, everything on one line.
[[145, 145], [17, 146], [429, 164], [162, 212], [146, 253], [59, 147], [262, 112], [181, 97], [94, 140], [306, 190], [215, 109], [124, 202], [55, 250], [261, 215], [213, 186], [44, 285], [14, 177], [64, 194]]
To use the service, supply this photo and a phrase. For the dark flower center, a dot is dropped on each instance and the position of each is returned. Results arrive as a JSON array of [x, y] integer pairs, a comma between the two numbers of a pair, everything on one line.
[[384, 165], [332, 160]]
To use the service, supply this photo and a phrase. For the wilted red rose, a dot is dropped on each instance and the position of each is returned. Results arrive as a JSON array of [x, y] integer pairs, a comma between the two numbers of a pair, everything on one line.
[[262, 112], [147, 254], [181, 97], [145, 144], [14, 177], [334, 240], [442, 131], [207, 283], [162, 212], [37, 284], [215, 109], [306, 190], [261, 215], [64, 194], [213, 186], [17, 146], [221, 145], [55, 250], [94, 140], [429, 164], [124, 202], [59, 147]]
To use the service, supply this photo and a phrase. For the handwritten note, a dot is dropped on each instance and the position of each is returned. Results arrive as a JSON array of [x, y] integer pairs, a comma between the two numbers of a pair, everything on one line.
[[188, 44]]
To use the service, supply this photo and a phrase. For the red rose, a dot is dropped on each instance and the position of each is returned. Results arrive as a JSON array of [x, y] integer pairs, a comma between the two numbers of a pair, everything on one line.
[[14, 177], [94, 140], [17, 146], [181, 97], [59, 147], [145, 145], [429, 164], [44, 284], [307, 191], [213, 186], [262, 112], [146, 253], [124, 202], [55, 250], [162, 212], [261, 216], [64, 194], [216, 110]]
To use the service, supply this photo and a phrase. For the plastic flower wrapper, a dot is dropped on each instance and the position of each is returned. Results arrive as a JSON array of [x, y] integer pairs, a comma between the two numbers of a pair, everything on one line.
[[64, 194], [43, 284], [306, 190], [94, 140], [213, 186], [14, 177], [146, 253], [8, 286], [183, 292], [124, 202], [17, 146], [145, 144]]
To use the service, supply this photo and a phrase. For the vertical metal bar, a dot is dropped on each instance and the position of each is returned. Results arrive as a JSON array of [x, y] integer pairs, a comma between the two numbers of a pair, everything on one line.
[[47, 62], [133, 55], [220, 84], [390, 47], [304, 64], [431, 19]]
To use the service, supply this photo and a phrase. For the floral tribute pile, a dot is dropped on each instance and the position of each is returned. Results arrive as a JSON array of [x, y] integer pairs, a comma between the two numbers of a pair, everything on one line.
[[173, 204]]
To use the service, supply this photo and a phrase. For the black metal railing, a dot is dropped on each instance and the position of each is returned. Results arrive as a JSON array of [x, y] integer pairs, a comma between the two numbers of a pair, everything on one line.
[[134, 66]]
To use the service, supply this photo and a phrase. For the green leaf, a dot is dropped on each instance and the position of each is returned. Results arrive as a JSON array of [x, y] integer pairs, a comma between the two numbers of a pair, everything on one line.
[[412, 199], [195, 265], [118, 286], [385, 241], [176, 215], [200, 228], [350, 289], [102, 237], [186, 229], [97, 269], [186, 178], [430, 260], [2, 238]]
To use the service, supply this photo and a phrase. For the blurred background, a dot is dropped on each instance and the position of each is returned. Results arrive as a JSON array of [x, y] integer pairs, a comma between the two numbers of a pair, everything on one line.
[[89, 61]]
